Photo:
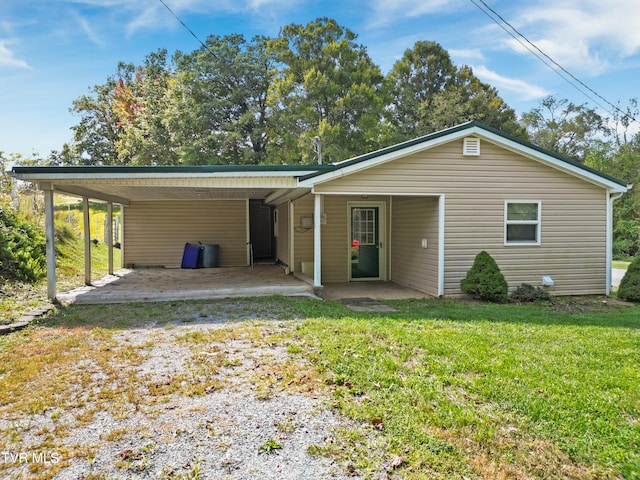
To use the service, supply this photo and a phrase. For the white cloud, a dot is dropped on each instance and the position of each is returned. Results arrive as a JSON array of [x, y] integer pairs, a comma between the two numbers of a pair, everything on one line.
[[7, 59], [390, 11], [584, 35], [524, 90], [467, 53], [89, 31]]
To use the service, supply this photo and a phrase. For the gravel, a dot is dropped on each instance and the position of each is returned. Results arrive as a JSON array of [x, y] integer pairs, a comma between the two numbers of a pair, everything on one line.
[[232, 431]]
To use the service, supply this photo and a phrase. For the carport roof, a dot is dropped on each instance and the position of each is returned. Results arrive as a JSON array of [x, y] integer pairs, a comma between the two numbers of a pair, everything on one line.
[[171, 169], [126, 184]]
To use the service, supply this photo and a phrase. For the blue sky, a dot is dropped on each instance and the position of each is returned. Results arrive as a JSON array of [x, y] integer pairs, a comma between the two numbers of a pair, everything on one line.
[[53, 51]]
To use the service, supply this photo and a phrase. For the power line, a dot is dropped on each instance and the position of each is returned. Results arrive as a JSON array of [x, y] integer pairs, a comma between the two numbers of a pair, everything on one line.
[[544, 58], [189, 30]]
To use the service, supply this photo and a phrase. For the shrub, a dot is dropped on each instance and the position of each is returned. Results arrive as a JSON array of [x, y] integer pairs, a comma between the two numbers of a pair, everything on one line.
[[22, 249], [485, 279], [629, 288], [529, 293]]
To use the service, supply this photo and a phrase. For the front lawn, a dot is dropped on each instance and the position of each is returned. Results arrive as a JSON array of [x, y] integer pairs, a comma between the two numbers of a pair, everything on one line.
[[439, 389], [487, 391]]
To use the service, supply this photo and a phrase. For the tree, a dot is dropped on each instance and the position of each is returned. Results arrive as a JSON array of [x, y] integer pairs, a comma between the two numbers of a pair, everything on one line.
[[618, 155], [429, 93], [218, 101], [140, 104], [421, 75], [98, 131], [328, 88], [563, 127]]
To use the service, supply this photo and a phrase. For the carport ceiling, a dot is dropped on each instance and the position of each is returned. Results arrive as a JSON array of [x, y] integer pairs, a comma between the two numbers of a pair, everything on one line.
[[128, 194]]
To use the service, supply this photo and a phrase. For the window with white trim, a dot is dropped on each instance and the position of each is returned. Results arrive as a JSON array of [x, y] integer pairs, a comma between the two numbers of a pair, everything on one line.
[[522, 222]]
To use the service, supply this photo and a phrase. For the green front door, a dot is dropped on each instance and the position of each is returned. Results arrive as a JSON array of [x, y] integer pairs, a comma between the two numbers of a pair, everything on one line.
[[365, 242]]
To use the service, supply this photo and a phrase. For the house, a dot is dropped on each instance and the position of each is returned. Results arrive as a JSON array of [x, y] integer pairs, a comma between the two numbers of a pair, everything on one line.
[[415, 214]]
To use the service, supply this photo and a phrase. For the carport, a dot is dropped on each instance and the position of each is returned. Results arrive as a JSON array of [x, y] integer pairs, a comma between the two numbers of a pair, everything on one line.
[[166, 206]]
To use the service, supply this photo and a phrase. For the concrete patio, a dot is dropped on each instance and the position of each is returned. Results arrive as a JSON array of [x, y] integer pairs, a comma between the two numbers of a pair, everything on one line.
[[167, 284]]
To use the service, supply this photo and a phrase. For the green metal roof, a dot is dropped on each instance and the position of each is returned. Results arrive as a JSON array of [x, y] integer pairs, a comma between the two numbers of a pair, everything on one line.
[[314, 170], [171, 169]]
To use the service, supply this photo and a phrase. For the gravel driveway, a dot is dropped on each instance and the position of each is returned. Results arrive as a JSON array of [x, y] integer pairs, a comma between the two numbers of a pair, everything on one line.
[[207, 404]]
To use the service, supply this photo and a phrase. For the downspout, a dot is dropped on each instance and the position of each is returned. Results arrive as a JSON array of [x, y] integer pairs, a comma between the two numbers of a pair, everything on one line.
[[611, 197]]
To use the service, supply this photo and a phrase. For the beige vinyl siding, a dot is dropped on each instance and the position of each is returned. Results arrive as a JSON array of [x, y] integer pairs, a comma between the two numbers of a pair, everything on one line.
[[414, 219], [336, 249], [155, 232], [303, 251], [282, 240], [335, 241], [334, 236], [573, 213]]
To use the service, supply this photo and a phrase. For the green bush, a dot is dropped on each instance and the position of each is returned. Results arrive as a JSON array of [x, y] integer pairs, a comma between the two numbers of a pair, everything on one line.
[[630, 285], [529, 293], [22, 249], [485, 279]]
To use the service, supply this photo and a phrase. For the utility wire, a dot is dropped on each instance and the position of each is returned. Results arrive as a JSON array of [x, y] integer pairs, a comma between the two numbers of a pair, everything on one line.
[[189, 30], [544, 58]]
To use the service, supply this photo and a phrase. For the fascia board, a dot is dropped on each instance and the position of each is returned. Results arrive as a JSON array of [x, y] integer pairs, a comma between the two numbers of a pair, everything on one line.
[[35, 176]]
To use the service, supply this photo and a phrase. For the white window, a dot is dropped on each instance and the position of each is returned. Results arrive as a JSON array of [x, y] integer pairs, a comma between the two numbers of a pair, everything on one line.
[[522, 222], [363, 225]]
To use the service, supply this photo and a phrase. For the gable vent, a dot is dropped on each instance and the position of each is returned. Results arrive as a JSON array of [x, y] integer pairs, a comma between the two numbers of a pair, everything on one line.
[[471, 146]]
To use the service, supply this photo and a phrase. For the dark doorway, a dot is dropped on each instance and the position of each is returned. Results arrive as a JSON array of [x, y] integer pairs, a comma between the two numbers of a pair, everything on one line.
[[261, 230]]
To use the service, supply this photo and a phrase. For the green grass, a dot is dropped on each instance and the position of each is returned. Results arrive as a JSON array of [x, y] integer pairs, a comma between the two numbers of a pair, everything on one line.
[[440, 389], [488, 391], [620, 264], [17, 299]]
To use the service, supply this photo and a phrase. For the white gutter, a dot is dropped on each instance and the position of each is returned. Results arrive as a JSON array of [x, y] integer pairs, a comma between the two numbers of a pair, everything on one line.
[[153, 175]]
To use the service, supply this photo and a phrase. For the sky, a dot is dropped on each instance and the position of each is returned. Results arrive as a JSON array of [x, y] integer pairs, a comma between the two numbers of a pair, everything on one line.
[[54, 51]]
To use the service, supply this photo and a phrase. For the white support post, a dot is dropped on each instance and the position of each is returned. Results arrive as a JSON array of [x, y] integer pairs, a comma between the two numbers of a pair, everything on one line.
[[109, 236], [87, 241], [292, 237], [317, 246], [50, 245], [609, 243], [441, 219], [121, 238]]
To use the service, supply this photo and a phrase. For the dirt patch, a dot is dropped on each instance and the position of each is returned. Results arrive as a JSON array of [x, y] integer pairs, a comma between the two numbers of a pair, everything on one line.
[[582, 305]]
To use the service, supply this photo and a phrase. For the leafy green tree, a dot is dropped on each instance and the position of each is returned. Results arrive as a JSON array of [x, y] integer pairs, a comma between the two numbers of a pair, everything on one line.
[[99, 128], [430, 93], [140, 105], [619, 155], [564, 127], [328, 88], [218, 101], [415, 81]]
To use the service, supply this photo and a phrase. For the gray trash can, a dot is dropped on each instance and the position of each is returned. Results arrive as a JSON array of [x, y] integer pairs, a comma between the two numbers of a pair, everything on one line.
[[209, 255]]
